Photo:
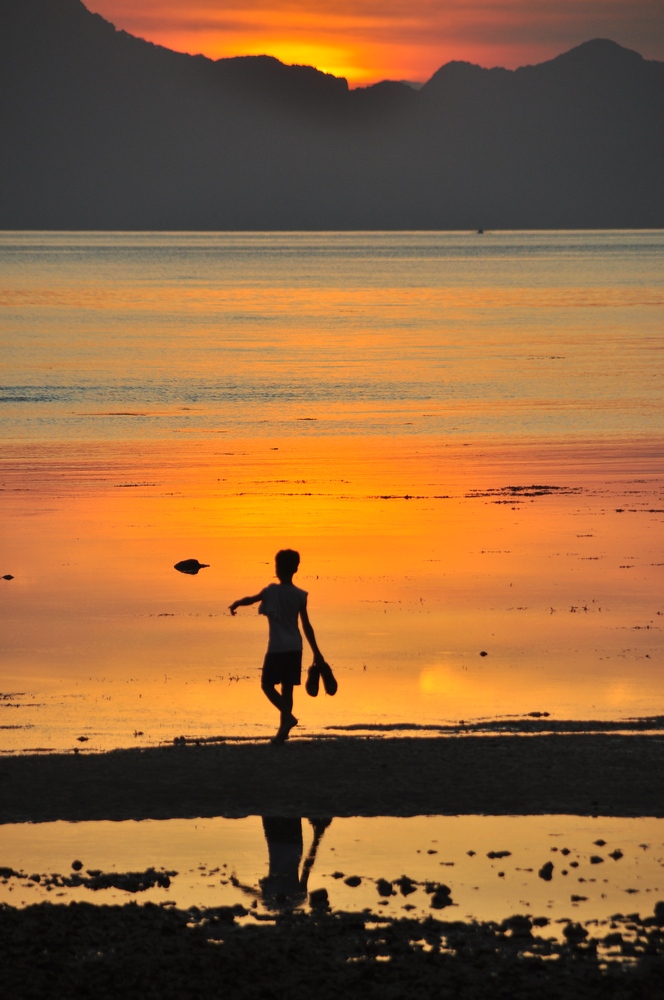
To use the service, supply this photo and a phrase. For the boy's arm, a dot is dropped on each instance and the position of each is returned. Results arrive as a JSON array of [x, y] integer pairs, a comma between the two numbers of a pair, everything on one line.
[[244, 602], [309, 633]]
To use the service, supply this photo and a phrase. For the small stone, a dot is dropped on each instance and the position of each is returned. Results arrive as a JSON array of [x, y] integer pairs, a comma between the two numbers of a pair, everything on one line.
[[441, 898], [520, 926], [384, 887], [616, 855], [484, 653], [337, 874], [498, 854], [319, 900], [578, 899], [353, 881], [8, 576], [596, 860], [77, 865], [406, 885], [575, 933], [565, 851], [599, 843], [546, 871]]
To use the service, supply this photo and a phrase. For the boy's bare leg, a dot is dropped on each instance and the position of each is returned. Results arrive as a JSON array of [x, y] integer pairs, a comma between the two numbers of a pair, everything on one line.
[[284, 702], [270, 692]]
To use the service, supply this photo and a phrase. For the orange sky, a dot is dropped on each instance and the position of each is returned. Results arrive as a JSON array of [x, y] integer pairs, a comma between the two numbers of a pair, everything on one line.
[[367, 40]]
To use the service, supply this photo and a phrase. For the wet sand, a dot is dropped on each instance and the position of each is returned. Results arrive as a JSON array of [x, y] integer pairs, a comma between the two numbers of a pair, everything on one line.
[[583, 774], [87, 951]]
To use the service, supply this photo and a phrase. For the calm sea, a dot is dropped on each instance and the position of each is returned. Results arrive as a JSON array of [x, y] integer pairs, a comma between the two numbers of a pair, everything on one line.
[[125, 336], [461, 433]]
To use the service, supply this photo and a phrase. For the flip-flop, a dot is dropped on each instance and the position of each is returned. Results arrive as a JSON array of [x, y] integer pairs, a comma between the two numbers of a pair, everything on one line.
[[329, 680], [313, 679]]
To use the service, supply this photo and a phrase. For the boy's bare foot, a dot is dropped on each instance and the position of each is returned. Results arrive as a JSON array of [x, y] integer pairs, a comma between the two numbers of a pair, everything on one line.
[[284, 730]]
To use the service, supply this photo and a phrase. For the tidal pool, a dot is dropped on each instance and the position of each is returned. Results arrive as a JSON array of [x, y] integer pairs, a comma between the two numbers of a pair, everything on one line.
[[458, 868]]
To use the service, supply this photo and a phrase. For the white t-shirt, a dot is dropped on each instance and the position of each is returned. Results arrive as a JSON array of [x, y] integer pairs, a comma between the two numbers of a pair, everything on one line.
[[281, 603]]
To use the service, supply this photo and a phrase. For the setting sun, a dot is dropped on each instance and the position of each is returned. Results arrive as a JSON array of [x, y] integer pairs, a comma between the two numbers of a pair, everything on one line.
[[366, 41]]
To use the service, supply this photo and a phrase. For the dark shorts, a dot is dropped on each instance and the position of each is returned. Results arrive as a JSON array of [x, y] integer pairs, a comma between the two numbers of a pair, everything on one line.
[[283, 668]]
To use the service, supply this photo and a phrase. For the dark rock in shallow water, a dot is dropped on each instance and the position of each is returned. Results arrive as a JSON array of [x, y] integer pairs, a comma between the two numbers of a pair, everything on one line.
[[384, 887], [353, 881], [575, 932], [519, 925], [9, 873], [406, 885], [441, 898], [190, 566], [8, 576], [318, 899], [77, 865], [546, 871]]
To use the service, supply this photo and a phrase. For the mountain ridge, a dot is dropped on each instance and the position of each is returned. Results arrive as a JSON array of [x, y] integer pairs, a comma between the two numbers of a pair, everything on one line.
[[106, 130]]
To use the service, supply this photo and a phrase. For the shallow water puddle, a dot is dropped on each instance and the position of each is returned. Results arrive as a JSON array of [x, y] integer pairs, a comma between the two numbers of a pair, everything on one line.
[[459, 867]]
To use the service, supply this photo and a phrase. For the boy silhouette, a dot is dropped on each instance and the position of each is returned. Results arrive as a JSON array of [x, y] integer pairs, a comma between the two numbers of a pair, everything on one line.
[[283, 603]]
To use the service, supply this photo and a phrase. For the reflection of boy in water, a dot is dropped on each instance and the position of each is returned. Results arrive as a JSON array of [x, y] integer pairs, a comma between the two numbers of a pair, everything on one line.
[[283, 603], [284, 886]]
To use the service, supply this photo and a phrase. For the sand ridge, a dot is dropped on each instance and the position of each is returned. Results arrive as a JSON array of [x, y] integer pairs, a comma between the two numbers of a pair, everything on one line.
[[583, 774]]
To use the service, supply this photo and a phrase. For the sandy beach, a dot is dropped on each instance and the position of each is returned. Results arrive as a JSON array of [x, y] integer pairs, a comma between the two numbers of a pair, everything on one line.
[[584, 774]]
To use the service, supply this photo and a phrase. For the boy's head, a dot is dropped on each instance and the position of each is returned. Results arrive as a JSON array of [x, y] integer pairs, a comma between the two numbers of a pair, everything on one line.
[[286, 562]]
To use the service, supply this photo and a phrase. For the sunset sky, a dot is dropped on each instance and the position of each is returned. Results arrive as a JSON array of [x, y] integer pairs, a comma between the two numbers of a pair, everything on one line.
[[367, 40]]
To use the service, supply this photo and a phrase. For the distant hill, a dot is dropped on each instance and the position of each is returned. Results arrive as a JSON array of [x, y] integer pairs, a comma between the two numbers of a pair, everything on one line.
[[101, 130]]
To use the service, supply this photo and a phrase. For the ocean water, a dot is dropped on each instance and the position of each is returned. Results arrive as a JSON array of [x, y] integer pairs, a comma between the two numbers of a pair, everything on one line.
[[461, 433]]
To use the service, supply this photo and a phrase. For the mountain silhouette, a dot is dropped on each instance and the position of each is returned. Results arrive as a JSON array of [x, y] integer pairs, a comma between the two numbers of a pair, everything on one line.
[[101, 130]]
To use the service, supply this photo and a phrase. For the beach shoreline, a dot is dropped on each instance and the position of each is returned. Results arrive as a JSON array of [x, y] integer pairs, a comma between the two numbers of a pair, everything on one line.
[[579, 774]]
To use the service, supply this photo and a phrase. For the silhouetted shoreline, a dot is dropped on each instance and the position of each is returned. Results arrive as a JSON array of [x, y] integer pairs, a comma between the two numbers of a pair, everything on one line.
[[152, 951], [582, 774]]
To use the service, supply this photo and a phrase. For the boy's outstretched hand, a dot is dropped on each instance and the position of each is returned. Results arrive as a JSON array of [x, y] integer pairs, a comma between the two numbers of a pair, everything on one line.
[[232, 607]]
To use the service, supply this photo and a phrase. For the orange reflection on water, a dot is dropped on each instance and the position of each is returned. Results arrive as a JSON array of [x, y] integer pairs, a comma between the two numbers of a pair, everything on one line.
[[417, 557]]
